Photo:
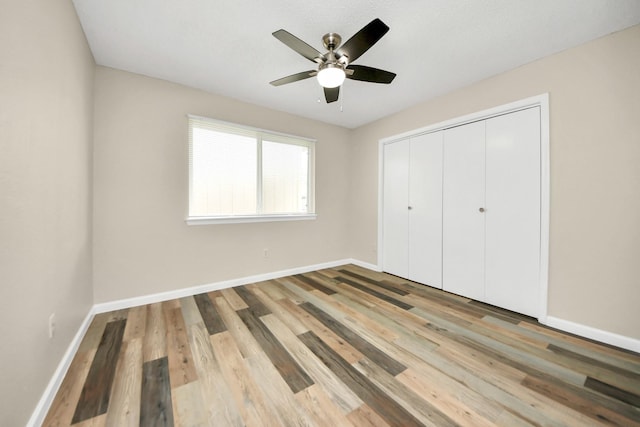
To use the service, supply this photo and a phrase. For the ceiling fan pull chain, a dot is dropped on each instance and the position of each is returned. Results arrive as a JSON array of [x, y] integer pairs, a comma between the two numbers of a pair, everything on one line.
[[342, 99]]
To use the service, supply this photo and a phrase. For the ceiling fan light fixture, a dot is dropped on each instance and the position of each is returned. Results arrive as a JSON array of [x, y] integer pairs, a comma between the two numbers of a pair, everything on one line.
[[331, 75], [335, 65]]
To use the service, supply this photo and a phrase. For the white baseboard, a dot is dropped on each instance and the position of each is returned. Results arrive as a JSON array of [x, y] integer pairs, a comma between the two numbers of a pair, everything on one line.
[[194, 290], [37, 417], [594, 333], [366, 265]]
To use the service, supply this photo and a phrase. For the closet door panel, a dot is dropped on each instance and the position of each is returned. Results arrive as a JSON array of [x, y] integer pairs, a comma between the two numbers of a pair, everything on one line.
[[513, 211], [463, 200], [395, 226], [425, 216]]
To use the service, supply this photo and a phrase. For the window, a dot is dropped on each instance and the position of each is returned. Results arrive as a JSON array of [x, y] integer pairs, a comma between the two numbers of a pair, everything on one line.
[[241, 174]]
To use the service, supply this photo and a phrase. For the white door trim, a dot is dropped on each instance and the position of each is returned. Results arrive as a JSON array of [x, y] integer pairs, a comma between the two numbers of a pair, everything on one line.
[[541, 101]]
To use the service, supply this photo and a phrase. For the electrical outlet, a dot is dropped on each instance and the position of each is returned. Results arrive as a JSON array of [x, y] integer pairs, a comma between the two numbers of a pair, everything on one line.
[[52, 325]]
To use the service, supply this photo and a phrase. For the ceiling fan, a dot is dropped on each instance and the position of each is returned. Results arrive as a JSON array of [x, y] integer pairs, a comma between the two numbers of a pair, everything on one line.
[[336, 64]]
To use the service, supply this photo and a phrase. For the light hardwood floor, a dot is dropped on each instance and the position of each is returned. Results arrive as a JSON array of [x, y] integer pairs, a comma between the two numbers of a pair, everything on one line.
[[340, 347]]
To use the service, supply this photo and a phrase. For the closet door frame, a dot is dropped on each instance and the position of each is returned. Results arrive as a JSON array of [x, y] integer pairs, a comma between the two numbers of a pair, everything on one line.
[[541, 101]]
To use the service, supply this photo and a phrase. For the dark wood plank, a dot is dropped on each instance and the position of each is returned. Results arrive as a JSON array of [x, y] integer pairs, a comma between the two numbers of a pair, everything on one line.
[[613, 391], [315, 284], [474, 347], [542, 382], [380, 295], [210, 315], [455, 305], [500, 313], [386, 285], [584, 401], [94, 398], [383, 405], [155, 401], [256, 306], [420, 407], [295, 377], [635, 378], [427, 292], [380, 358]]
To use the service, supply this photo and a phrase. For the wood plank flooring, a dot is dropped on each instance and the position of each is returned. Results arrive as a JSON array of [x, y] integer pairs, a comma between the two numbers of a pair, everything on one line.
[[340, 347]]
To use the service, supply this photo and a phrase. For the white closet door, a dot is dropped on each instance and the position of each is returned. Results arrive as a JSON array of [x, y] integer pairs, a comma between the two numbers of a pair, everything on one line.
[[425, 216], [395, 226], [513, 211], [463, 206]]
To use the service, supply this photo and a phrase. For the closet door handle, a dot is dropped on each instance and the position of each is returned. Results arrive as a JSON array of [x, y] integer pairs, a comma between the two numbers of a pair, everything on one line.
[[481, 210], [409, 207]]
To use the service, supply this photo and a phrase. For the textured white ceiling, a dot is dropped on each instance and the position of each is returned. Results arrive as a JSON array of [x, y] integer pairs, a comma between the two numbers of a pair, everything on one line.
[[434, 46]]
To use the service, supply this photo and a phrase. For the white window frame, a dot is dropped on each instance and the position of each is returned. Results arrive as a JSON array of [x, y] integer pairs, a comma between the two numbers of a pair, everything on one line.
[[260, 135]]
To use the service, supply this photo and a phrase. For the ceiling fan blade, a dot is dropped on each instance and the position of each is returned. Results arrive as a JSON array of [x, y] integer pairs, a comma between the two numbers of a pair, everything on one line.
[[370, 74], [331, 94], [293, 78], [298, 45], [363, 40]]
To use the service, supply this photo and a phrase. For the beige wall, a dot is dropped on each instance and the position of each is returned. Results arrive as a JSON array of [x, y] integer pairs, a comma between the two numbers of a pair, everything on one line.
[[142, 244], [46, 84], [595, 173]]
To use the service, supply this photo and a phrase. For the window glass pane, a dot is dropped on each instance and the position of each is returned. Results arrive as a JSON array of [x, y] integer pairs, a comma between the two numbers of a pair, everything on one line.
[[223, 174], [284, 178]]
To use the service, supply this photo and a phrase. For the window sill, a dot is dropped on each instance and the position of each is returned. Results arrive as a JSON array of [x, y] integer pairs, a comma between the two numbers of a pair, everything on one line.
[[205, 220]]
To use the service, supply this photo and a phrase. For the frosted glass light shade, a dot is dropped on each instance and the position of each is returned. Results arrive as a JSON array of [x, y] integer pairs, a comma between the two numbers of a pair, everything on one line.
[[331, 76]]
